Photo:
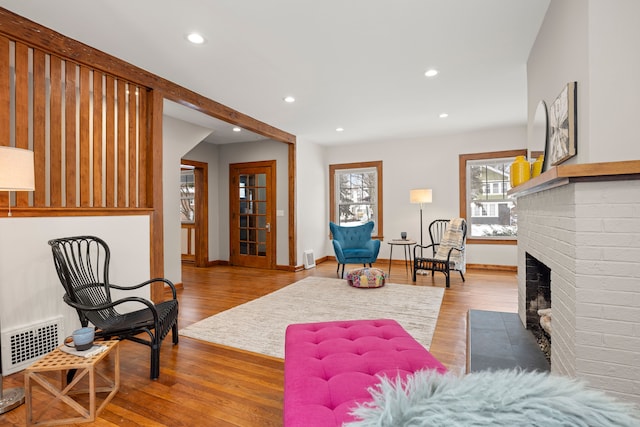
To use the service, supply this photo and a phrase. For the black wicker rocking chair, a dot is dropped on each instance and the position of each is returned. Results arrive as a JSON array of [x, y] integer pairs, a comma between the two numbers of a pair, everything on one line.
[[438, 259], [82, 263]]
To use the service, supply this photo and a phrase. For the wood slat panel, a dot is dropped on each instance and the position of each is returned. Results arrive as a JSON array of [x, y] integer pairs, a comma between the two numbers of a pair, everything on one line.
[[55, 132], [39, 129], [110, 141], [144, 145], [133, 145], [85, 142], [121, 138], [5, 103], [22, 108], [70, 139], [97, 140]]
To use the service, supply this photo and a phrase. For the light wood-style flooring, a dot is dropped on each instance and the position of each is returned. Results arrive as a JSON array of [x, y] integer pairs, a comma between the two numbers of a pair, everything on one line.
[[202, 384]]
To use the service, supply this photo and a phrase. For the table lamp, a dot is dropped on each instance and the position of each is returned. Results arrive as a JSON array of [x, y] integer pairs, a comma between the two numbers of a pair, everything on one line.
[[16, 174]]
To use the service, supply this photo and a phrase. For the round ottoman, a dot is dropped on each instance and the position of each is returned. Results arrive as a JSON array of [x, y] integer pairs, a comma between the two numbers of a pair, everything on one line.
[[366, 277]]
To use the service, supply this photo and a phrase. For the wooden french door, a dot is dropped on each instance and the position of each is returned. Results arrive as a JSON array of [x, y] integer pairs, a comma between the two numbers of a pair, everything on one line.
[[252, 192]]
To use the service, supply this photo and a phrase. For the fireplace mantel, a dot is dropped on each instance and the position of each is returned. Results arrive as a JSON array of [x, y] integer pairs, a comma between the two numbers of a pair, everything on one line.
[[565, 174]]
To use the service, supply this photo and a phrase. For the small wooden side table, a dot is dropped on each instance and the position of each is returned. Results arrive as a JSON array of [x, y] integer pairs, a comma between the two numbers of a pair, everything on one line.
[[58, 360]]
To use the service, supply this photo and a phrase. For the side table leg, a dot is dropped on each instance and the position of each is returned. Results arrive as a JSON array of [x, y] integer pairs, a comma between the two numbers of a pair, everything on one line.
[[390, 259]]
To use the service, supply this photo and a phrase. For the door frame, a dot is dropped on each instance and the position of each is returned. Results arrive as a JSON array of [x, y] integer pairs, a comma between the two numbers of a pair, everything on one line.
[[271, 206], [201, 213]]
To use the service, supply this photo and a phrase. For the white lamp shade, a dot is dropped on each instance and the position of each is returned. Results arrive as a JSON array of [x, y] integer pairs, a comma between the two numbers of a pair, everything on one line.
[[420, 195], [16, 169]]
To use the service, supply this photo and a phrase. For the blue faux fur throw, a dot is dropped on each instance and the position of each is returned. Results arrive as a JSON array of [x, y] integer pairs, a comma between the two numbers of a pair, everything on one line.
[[499, 398]]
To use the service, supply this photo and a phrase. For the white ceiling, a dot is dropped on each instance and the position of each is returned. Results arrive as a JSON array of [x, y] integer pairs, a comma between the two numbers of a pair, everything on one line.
[[356, 64]]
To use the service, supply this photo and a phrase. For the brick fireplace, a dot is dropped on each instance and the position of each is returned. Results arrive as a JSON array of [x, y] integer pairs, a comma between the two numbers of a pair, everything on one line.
[[587, 232]]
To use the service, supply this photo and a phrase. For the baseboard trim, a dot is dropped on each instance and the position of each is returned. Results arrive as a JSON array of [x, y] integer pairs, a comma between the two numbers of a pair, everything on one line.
[[493, 267]]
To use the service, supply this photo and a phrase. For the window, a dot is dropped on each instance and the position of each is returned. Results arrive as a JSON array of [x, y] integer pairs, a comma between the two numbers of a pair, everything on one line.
[[187, 194], [484, 183], [356, 194]]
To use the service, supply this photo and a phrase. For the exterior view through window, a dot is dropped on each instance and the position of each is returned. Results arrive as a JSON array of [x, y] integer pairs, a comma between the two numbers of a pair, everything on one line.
[[356, 194], [491, 214]]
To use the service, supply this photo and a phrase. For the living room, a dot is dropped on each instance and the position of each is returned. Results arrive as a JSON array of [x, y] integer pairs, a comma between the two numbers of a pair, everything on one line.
[[587, 42]]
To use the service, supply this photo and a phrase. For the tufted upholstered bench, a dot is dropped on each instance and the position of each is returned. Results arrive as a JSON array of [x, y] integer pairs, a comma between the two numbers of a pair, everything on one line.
[[329, 366]]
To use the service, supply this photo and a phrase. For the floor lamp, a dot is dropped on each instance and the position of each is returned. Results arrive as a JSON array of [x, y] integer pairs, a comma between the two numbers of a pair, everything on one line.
[[16, 174], [421, 196]]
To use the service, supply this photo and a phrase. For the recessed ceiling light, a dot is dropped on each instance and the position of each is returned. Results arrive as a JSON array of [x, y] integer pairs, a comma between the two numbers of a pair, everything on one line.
[[431, 73], [237, 129], [444, 115], [339, 129], [289, 99], [195, 38]]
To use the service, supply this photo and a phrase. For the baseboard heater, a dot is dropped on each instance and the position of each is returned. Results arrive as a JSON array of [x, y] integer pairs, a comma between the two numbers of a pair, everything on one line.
[[22, 346]]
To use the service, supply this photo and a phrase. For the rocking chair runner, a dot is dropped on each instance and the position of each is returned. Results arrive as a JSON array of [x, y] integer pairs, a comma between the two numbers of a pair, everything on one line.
[[82, 263], [446, 251]]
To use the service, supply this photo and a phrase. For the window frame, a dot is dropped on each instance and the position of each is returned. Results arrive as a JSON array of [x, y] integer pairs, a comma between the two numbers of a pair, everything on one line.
[[462, 165], [377, 165]]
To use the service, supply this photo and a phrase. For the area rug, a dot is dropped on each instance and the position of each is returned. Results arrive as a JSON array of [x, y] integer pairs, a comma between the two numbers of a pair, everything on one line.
[[259, 325]]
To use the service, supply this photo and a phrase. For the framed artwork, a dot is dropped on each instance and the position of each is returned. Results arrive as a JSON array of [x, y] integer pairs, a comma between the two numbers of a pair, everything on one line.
[[561, 143]]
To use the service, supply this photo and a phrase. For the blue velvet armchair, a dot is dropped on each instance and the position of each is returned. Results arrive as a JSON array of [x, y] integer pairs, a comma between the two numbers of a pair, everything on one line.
[[354, 245]]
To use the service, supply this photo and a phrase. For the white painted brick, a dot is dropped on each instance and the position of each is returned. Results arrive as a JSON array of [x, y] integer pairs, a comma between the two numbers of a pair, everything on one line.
[[592, 311], [621, 386], [622, 225], [627, 314], [589, 338], [590, 253], [627, 254], [621, 357], [622, 342], [589, 235], [595, 296], [605, 326], [622, 284], [611, 370]]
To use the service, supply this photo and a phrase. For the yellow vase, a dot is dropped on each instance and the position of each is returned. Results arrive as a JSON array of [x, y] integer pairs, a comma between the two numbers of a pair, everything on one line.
[[536, 167], [520, 171]]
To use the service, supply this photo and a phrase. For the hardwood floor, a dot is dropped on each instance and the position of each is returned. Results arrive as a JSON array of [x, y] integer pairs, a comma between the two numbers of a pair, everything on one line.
[[202, 384]]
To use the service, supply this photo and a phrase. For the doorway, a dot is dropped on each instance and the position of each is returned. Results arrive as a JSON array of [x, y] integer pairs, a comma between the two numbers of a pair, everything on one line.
[[252, 196], [194, 212]]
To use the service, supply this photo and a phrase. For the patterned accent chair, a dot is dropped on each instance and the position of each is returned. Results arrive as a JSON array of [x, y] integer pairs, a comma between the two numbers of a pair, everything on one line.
[[446, 251], [354, 245]]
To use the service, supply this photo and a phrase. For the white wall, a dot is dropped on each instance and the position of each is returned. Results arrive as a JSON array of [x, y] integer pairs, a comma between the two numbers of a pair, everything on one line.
[[210, 154], [30, 291], [614, 68], [592, 42], [179, 137], [431, 163], [253, 152], [312, 195]]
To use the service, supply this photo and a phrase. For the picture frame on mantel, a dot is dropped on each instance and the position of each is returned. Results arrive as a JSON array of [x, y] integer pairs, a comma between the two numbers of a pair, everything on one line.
[[562, 140]]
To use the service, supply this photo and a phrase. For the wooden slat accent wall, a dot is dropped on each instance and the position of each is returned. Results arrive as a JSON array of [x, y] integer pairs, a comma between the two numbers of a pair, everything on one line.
[[88, 131]]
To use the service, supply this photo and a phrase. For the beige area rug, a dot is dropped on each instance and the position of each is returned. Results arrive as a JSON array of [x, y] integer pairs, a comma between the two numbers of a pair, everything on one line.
[[259, 325]]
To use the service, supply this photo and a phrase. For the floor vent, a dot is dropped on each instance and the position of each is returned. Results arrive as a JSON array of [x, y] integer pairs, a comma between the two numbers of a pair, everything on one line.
[[21, 347], [309, 259]]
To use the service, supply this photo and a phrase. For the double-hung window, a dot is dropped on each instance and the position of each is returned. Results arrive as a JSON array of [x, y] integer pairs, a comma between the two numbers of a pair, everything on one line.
[[356, 194], [484, 182]]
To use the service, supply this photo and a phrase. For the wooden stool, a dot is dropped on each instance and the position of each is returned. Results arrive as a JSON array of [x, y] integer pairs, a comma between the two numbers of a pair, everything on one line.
[[60, 361]]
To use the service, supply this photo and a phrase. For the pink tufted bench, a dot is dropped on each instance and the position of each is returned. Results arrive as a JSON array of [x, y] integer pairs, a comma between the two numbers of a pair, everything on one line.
[[330, 365]]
